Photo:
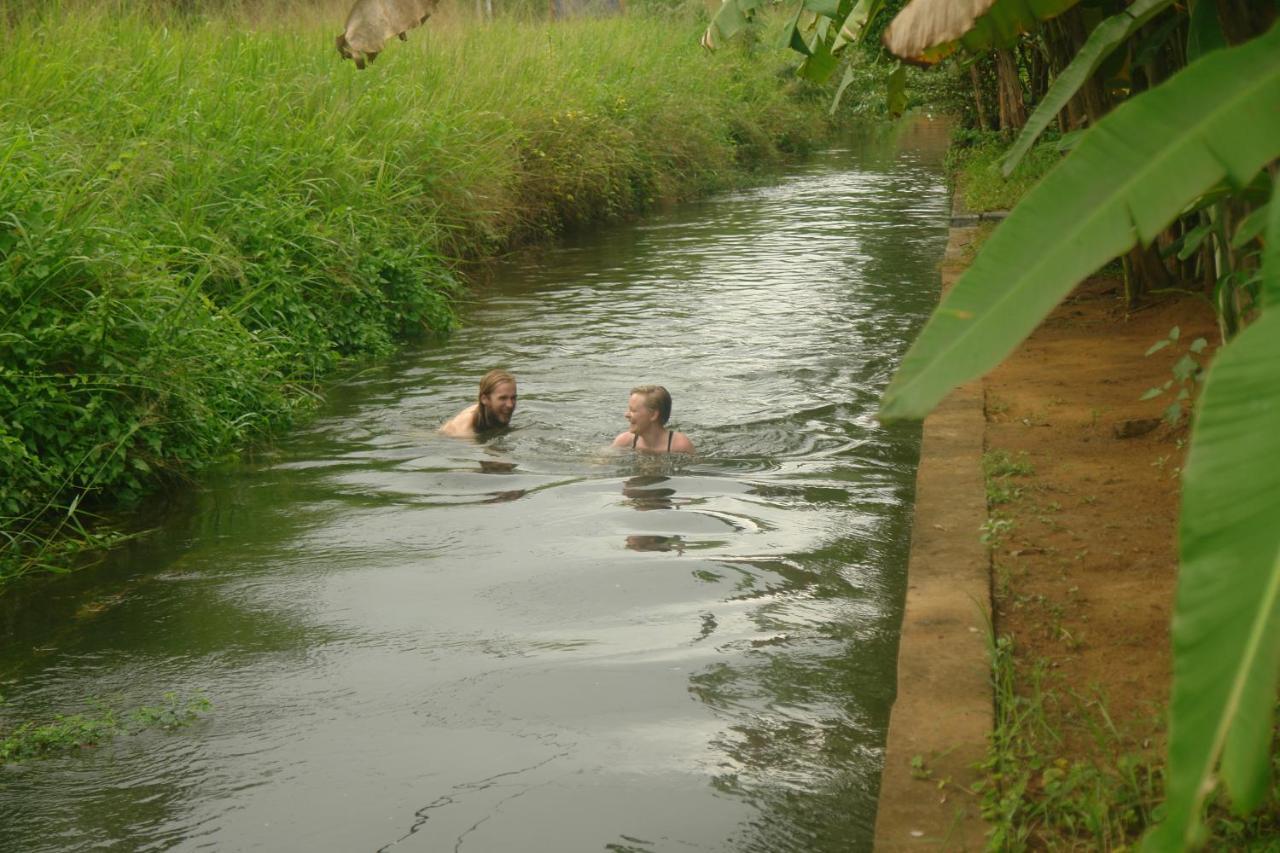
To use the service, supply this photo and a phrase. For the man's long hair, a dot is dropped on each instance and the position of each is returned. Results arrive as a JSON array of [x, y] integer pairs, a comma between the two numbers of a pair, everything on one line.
[[485, 419]]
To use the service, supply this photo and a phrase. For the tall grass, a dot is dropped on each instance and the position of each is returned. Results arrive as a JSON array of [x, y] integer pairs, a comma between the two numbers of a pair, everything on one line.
[[200, 216]]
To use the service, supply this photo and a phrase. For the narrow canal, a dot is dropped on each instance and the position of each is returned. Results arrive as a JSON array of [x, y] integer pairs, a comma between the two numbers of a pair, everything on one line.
[[536, 644]]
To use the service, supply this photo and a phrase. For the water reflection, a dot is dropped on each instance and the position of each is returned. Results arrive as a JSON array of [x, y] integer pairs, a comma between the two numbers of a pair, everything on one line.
[[650, 542], [645, 493], [435, 644]]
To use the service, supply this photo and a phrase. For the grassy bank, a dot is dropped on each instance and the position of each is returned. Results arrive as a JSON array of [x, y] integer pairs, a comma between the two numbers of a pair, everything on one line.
[[202, 217]]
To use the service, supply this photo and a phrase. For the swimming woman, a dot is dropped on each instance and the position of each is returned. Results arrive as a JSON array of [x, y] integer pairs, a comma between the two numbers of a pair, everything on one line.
[[648, 410]]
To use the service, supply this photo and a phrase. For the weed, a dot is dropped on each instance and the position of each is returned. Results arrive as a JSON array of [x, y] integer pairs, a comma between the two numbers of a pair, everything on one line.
[[1187, 373], [1034, 795], [69, 732], [999, 463], [995, 530]]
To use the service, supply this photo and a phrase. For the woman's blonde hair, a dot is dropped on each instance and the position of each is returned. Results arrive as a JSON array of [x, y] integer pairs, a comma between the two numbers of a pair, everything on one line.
[[657, 399]]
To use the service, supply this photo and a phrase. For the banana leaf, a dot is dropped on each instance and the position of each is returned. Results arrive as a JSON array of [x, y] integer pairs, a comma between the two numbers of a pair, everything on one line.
[[1226, 624], [728, 22], [1127, 179], [1270, 288], [927, 31], [855, 24], [1104, 39], [1204, 29]]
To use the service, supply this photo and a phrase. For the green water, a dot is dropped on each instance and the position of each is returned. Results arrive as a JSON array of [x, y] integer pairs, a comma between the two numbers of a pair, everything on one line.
[[534, 643]]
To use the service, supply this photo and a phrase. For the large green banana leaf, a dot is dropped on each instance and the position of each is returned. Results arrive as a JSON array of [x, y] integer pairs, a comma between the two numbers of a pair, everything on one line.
[[1226, 624], [1128, 177], [929, 30], [1104, 39], [1270, 287]]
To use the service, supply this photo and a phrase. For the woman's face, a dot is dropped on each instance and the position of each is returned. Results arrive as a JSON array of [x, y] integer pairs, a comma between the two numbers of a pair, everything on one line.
[[640, 416]]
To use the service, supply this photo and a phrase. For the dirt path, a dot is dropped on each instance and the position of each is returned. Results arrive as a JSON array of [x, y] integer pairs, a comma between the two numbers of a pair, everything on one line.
[[1082, 493], [1084, 577]]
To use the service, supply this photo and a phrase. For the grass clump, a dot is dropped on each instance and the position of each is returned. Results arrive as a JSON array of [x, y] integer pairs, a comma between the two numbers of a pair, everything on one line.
[[66, 733], [974, 164], [999, 468], [202, 216], [1035, 797], [1106, 794]]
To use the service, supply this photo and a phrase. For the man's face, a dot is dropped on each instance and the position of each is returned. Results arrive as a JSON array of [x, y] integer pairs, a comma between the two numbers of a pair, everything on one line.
[[501, 401]]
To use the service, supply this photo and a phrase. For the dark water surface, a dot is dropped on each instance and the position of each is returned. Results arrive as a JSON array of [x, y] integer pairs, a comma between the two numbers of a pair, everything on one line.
[[536, 644]]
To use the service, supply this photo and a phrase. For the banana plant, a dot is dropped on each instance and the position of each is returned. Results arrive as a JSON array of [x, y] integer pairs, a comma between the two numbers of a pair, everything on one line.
[[1226, 629], [1128, 177], [1102, 42]]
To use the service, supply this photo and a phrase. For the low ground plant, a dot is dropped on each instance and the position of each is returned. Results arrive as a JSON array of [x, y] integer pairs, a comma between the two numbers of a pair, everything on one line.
[[64, 733], [974, 168]]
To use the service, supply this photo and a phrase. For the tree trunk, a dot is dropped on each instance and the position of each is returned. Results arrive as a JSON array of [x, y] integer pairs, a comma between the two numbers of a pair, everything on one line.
[[1143, 272], [978, 100], [1013, 109]]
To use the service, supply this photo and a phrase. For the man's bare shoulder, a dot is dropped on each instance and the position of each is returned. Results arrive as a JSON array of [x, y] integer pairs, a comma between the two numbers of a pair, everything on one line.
[[461, 424]]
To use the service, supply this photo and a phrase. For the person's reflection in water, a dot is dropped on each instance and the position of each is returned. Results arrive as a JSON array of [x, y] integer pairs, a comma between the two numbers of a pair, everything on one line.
[[639, 493], [493, 466], [503, 497], [649, 542]]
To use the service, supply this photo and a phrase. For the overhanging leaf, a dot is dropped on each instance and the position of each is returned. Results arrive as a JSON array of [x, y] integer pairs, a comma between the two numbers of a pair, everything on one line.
[[1226, 624], [929, 30], [896, 92], [855, 25], [1270, 285], [1104, 39], [1127, 179], [371, 23], [730, 20], [848, 78], [1251, 227], [1204, 29], [826, 8], [820, 64]]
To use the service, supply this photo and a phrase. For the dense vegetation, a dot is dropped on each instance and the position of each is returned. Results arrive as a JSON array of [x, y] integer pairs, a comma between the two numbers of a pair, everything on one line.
[[202, 215], [1171, 116]]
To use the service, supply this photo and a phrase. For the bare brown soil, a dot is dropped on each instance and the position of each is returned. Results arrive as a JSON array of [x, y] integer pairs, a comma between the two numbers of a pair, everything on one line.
[[1083, 581]]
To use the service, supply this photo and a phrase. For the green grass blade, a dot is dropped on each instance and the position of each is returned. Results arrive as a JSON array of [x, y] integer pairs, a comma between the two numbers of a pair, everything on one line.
[[1104, 39], [1125, 181], [1226, 624]]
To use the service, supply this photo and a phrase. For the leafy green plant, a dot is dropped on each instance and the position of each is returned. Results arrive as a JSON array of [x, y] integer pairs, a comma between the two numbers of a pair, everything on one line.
[[69, 732], [1186, 375]]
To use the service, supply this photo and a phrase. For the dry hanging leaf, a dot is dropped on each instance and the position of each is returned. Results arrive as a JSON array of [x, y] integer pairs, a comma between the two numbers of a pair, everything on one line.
[[927, 24], [372, 22]]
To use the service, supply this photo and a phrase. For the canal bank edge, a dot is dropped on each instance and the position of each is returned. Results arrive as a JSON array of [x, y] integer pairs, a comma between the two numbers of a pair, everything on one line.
[[943, 713]]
